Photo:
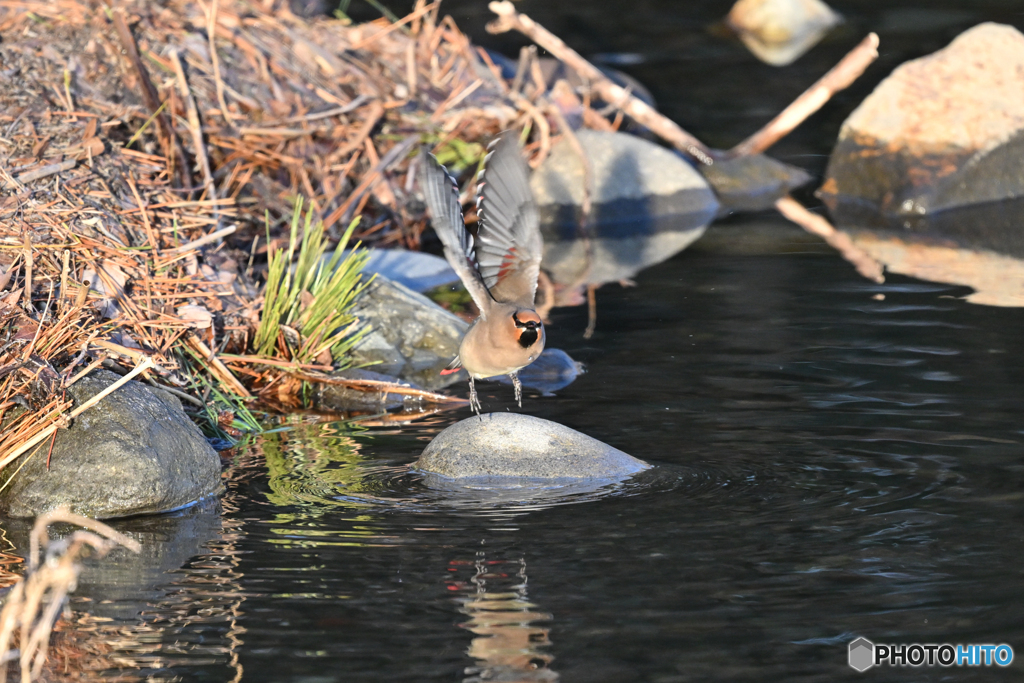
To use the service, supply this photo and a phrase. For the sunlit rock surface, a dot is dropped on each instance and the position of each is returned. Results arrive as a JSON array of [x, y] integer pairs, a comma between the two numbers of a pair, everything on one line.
[[778, 32], [647, 205], [940, 132], [133, 453], [512, 445]]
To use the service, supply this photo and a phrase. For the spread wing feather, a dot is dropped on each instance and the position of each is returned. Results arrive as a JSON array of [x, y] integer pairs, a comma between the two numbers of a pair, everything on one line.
[[509, 246], [442, 195]]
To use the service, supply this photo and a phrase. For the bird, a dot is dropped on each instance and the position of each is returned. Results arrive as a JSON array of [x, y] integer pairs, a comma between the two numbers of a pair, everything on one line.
[[499, 267]]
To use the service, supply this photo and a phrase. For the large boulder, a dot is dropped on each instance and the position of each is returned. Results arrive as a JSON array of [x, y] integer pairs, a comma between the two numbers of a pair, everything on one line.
[[511, 445], [647, 204], [411, 337], [133, 453], [941, 131]]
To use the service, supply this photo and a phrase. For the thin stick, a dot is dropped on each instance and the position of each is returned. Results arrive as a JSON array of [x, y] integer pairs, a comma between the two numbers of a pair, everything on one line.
[[47, 431], [508, 19], [211, 33], [811, 100], [378, 386], [196, 129], [591, 311], [28, 269], [841, 242], [216, 366], [212, 237]]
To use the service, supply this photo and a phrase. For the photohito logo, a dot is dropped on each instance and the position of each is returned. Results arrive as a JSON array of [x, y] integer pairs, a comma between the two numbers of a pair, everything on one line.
[[864, 654]]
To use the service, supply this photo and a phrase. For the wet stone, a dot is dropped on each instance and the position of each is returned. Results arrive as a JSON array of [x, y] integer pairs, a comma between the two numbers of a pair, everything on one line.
[[752, 183], [511, 445], [134, 453], [412, 338]]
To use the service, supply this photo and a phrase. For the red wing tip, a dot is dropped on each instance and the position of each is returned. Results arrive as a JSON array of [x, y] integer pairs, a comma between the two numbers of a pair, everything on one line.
[[450, 371]]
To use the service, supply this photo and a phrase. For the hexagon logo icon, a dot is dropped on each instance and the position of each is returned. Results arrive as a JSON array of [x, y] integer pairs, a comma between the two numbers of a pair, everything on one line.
[[862, 654]]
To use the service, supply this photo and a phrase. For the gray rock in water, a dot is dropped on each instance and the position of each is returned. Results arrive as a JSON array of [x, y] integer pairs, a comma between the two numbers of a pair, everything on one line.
[[336, 397], [413, 338], [134, 453], [511, 445], [647, 205], [416, 270], [752, 183]]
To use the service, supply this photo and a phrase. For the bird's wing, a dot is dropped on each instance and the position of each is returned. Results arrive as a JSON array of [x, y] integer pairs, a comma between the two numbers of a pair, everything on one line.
[[509, 245], [442, 194]]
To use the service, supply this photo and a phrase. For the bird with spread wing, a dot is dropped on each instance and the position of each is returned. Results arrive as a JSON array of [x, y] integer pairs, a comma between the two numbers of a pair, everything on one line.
[[499, 267]]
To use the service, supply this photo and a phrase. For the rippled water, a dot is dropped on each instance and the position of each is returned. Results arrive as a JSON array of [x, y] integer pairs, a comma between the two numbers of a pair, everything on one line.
[[834, 459]]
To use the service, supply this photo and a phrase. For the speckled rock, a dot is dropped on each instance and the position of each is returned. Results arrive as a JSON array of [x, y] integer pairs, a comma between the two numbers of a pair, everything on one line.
[[134, 453], [496, 445], [412, 339]]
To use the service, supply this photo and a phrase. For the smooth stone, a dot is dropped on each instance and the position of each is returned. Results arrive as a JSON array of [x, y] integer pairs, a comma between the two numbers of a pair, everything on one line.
[[412, 338], [940, 132], [502, 445], [753, 182], [647, 205], [133, 453], [778, 32]]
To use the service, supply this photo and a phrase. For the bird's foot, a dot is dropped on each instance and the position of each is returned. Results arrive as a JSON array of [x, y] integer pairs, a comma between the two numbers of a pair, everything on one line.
[[474, 400], [519, 388]]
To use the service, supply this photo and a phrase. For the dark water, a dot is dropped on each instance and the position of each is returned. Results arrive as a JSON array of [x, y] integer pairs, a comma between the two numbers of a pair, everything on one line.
[[835, 459]]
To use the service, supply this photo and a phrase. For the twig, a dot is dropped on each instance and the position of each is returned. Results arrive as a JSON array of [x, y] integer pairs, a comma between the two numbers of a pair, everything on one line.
[[508, 19], [416, 14], [195, 128], [591, 311], [811, 100], [216, 366], [373, 385], [211, 34], [42, 172], [841, 242], [206, 239], [168, 140]]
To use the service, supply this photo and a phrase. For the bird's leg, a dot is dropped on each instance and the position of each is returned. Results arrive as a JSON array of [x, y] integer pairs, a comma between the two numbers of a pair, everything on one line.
[[519, 388], [474, 400]]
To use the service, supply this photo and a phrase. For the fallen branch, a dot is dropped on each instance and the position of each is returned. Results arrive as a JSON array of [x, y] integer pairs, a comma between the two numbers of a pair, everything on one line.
[[839, 77], [841, 242], [378, 386], [508, 19]]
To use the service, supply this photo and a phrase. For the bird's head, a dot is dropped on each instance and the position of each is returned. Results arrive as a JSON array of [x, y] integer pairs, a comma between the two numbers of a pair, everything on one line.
[[528, 327]]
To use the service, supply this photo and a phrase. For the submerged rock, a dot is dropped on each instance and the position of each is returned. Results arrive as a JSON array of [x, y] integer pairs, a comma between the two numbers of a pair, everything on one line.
[[752, 182], [339, 398], [133, 453], [647, 205], [554, 369], [412, 338], [940, 132], [778, 32], [503, 445]]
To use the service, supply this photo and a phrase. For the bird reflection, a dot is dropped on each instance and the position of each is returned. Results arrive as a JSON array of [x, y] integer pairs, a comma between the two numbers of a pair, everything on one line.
[[511, 633]]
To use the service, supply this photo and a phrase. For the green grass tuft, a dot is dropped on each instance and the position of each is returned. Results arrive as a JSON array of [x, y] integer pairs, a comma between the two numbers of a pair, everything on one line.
[[315, 298]]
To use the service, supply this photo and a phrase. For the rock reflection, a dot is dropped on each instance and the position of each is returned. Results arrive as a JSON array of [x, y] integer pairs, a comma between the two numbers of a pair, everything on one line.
[[511, 633], [193, 621]]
